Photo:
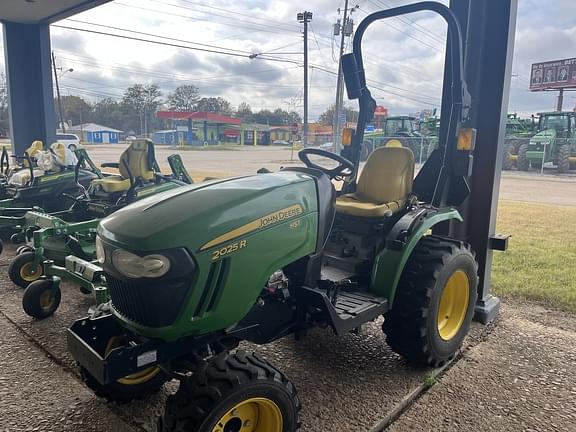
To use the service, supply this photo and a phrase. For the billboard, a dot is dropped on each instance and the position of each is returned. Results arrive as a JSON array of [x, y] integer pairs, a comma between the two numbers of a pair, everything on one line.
[[553, 75]]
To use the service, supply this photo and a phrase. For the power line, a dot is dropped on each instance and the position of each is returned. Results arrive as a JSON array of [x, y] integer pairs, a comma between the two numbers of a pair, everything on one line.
[[236, 23], [228, 53], [403, 31]]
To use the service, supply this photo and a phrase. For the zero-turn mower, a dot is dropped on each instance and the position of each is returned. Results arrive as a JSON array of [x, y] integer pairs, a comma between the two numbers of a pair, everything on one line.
[[194, 271], [72, 232]]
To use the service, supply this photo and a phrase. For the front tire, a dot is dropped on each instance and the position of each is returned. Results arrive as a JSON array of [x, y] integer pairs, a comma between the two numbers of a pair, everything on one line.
[[434, 302], [523, 163], [234, 392], [136, 386], [564, 158], [41, 299], [22, 270]]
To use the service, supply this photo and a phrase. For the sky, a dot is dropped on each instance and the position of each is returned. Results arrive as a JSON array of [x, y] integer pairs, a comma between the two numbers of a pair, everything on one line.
[[403, 56]]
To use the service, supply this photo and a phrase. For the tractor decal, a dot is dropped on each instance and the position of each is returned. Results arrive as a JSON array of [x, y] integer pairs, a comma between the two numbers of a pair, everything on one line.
[[262, 222]]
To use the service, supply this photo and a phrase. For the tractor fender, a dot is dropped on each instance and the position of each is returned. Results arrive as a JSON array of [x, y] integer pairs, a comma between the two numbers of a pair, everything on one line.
[[400, 243]]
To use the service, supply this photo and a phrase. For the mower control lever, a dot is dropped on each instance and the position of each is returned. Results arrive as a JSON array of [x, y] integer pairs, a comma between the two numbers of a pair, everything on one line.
[[345, 168]]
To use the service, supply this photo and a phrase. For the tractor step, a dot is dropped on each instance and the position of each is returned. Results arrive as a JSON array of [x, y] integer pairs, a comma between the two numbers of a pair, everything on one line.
[[351, 309], [353, 304]]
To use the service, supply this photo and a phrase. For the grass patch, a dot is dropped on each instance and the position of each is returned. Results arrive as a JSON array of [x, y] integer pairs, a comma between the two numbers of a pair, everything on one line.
[[540, 263]]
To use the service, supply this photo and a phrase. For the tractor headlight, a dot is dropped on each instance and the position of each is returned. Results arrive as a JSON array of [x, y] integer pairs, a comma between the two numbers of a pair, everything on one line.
[[135, 266], [100, 252]]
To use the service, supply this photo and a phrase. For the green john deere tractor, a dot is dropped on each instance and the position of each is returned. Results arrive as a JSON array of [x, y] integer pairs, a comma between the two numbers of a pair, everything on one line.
[[518, 132], [191, 272], [72, 232], [398, 131], [555, 142]]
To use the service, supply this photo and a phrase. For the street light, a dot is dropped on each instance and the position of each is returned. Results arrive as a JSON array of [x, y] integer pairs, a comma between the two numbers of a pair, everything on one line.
[[65, 72]]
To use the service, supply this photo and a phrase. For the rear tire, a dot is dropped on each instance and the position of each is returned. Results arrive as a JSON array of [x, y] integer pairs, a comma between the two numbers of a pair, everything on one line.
[[223, 393], [507, 161], [434, 302], [523, 163], [41, 299], [136, 386], [564, 158], [21, 270]]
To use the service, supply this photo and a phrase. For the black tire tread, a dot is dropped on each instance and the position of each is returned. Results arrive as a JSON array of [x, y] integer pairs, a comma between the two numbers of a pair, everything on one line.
[[121, 393], [31, 299], [564, 158], [405, 325], [197, 396], [522, 162]]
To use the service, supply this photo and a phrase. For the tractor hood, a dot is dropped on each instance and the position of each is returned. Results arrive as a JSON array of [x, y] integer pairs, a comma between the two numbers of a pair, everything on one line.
[[545, 136], [205, 215]]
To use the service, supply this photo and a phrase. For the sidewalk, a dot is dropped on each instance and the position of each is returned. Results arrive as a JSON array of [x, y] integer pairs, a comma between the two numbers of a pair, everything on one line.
[[521, 378]]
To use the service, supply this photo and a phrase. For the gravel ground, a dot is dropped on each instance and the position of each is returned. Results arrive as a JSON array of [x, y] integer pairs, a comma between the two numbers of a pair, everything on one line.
[[521, 378], [345, 384]]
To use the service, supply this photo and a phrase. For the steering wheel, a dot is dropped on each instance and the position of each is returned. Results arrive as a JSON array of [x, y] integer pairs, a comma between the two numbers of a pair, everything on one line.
[[345, 168]]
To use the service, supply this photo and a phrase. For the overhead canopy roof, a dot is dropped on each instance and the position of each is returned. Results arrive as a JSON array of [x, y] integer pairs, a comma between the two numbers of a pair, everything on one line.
[[35, 11]]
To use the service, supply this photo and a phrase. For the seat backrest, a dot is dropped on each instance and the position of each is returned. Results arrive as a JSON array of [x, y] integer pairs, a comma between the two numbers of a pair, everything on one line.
[[387, 175], [59, 150], [137, 158], [35, 148]]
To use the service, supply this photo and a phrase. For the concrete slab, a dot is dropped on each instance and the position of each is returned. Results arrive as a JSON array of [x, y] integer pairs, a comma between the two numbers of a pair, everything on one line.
[[345, 384]]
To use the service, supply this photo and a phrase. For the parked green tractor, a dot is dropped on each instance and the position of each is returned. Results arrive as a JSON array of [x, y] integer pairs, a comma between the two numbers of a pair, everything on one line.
[[555, 142], [518, 132], [402, 131], [192, 272]]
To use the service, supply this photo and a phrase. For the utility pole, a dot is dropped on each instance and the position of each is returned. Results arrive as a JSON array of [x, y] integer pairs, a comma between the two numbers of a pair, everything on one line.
[[345, 30], [560, 101], [305, 17], [58, 94]]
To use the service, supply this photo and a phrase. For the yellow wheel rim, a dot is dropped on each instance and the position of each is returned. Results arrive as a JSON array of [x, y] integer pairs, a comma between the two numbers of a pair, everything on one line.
[[251, 415], [46, 299], [29, 273], [135, 378], [453, 305]]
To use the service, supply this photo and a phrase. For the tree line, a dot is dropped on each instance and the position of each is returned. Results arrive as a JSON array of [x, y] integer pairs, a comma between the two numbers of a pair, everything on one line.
[[136, 111]]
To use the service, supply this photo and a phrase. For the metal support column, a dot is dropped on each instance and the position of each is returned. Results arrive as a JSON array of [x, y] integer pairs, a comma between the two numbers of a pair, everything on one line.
[[489, 28], [29, 79]]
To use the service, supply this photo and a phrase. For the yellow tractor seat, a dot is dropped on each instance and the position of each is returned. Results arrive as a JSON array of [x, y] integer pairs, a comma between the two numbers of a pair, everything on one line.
[[135, 161], [383, 186], [35, 148]]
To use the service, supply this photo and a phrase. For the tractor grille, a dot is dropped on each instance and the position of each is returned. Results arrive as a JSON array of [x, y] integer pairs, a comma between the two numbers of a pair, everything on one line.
[[147, 302]]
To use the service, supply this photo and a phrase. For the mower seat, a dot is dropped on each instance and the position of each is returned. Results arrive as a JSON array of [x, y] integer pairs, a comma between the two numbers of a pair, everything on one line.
[[383, 185], [135, 162], [33, 150]]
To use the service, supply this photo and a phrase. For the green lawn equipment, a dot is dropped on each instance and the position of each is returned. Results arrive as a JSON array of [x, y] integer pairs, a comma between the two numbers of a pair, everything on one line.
[[40, 181], [57, 235], [194, 271], [555, 142], [518, 132]]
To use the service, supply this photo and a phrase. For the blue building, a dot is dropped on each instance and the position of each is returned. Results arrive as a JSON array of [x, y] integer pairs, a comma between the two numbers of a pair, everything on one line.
[[92, 133]]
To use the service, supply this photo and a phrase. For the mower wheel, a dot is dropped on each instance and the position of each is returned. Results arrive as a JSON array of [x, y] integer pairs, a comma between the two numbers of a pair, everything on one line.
[[434, 302], [564, 158], [522, 162], [233, 392], [22, 271], [41, 299], [135, 386], [24, 248]]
